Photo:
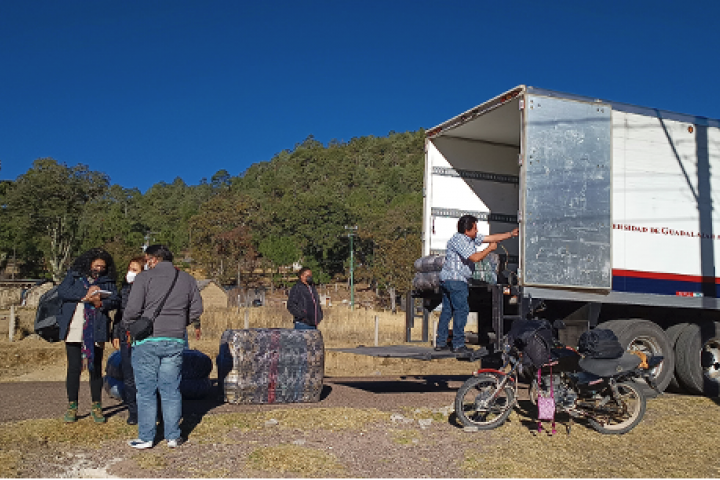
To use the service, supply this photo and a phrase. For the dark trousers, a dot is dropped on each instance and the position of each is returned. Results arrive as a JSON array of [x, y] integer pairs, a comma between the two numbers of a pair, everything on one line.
[[129, 392], [74, 369]]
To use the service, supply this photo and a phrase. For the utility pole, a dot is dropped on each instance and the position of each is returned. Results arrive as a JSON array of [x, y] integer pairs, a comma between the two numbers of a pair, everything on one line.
[[351, 233]]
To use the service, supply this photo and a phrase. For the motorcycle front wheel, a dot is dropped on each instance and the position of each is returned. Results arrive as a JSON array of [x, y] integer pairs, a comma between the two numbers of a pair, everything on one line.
[[477, 405], [616, 418]]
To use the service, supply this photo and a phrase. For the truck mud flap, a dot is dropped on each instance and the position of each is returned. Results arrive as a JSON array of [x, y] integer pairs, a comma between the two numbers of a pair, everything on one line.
[[410, 351]]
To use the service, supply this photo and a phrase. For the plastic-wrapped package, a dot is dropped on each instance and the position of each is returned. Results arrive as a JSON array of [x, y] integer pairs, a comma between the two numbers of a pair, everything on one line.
[[271, 365]]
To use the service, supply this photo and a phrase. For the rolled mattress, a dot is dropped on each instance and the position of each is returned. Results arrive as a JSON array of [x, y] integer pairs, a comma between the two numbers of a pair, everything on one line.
[[271, 365]]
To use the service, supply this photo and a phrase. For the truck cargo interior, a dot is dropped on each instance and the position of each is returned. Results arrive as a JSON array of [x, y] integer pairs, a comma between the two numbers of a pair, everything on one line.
[[474, 169]]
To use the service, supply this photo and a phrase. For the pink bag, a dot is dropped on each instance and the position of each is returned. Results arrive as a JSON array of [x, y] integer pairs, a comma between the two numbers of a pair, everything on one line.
[[546, 404]]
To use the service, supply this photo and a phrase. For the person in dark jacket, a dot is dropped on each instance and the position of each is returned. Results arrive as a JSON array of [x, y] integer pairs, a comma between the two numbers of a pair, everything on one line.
[[304, 302], [85, 326], [121, 340]]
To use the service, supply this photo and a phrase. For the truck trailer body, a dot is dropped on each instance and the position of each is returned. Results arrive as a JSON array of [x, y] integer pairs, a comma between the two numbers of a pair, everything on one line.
[[615, 208]]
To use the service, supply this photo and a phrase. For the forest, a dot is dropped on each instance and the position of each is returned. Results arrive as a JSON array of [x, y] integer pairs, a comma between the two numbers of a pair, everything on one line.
[[290, 210]]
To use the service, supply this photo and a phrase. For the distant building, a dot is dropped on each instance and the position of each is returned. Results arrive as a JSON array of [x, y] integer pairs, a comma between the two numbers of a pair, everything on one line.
[[213, 295]]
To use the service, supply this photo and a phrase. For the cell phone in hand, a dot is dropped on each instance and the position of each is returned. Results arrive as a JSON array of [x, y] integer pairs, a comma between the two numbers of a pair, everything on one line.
[[102, 293]]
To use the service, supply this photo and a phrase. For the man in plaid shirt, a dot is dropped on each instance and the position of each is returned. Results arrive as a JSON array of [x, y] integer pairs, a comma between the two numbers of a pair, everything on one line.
[[458, 268]]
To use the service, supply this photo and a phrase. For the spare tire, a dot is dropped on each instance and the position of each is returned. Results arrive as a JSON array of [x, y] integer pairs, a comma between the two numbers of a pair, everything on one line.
[[698, 364], [673, 333], [649, 338]]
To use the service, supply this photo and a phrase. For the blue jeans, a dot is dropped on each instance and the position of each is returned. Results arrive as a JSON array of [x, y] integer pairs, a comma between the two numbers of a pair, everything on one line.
[[455, 305], [158, 367], [304, 326]]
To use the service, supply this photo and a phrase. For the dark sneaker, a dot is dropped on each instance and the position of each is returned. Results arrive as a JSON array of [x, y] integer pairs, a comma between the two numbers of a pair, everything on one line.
[[71, 413], [97, 414], [175, 443], [139, 444], [464, 350], [444, 348], [132, 420]]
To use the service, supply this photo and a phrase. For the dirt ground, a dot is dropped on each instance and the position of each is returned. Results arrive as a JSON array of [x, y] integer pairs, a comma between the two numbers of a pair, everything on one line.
[[394, 421]]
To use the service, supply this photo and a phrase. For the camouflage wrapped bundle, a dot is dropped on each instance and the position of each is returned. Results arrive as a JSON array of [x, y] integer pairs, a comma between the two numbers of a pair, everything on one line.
[[430, 263], [271, 365]]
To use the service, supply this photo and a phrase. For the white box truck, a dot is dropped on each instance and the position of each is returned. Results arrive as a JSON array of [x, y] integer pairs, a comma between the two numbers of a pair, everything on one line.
[[617, 227]]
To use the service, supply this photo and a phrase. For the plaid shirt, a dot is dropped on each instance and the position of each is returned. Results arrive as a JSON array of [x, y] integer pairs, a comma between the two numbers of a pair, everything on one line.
[[457, 266]]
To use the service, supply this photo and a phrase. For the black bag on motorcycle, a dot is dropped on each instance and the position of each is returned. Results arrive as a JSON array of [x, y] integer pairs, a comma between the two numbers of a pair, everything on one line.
[[534, 338], [600, 343]]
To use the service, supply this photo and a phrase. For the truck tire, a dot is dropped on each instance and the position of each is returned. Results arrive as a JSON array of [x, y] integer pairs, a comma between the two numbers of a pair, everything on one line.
[[649, 338], [673, 333], [698, 364]]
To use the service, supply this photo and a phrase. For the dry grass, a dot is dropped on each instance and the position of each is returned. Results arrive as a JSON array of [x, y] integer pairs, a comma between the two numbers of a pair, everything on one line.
[[678, 438], [216, 428], [151, 461], [341, 327], [10, 461], [54, 431], [301, 461]]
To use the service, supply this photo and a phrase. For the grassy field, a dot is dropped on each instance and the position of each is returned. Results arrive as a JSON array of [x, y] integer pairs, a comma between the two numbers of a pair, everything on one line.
[[34, 359]]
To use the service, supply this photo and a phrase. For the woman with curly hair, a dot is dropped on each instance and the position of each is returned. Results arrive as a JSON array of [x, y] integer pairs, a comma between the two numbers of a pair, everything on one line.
[[84, 324]]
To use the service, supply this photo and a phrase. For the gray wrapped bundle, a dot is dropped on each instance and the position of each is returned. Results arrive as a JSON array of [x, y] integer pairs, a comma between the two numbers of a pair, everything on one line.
[[271, 365], [424, 281], [430, 263]]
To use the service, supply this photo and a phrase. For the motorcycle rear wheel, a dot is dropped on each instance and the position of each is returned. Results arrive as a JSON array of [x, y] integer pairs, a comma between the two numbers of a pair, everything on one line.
[[623, 417], [474, 404]]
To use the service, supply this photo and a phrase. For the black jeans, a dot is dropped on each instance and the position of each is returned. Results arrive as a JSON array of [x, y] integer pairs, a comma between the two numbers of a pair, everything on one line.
[[74, 368], [130, 392]]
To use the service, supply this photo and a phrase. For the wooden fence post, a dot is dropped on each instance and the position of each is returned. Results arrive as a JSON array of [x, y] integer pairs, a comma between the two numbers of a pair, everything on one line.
[[377, 332], [11, 328], [434, 334], [247, 317]]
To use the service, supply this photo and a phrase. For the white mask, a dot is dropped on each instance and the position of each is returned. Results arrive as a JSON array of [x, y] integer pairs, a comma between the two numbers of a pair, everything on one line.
[[130, 277]]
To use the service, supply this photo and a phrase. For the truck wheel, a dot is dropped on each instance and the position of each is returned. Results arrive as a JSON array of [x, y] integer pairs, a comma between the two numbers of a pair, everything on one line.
[[698, 365], [673, 333], [648, 338]]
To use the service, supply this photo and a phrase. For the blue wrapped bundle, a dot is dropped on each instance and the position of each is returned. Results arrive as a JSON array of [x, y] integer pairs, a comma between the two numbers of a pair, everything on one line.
[[114, 387], [196, 365], [195, 388], [114, 366]]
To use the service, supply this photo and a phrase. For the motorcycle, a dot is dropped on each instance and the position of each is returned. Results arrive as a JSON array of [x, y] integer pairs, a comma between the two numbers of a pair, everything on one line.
[[603, 391]]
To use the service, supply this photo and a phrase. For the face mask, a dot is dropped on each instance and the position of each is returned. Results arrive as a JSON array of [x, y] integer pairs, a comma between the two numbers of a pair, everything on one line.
[[130, 277], [309, 280], [96, 273]]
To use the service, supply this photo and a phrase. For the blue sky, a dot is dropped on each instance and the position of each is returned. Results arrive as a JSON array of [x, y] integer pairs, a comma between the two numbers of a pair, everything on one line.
[[150, 90]]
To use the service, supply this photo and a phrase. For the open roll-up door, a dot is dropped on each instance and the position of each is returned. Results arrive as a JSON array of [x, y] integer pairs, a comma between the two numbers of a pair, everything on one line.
[[566, 194]]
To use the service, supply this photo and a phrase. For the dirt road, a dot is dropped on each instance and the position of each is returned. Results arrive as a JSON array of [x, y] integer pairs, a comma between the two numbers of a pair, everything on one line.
[[31, 400]]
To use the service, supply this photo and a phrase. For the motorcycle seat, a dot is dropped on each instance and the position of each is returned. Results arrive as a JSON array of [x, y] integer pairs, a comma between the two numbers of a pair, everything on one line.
[[607, 367]]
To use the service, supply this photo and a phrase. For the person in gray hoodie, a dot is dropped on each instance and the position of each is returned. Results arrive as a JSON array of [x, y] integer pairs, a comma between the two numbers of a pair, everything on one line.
[[157, 360]]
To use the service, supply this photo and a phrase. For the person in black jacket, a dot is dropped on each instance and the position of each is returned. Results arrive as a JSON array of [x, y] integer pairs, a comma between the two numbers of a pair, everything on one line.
[[121, 341], [304, 302], [85, 326]]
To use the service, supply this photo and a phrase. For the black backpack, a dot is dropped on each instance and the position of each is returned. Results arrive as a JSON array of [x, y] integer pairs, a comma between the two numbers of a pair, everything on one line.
[[534, 338], [600, 343], [46, 322]]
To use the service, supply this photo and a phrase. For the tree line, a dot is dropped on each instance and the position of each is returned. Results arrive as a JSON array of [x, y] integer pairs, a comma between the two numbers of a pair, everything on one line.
[[293, 208]]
